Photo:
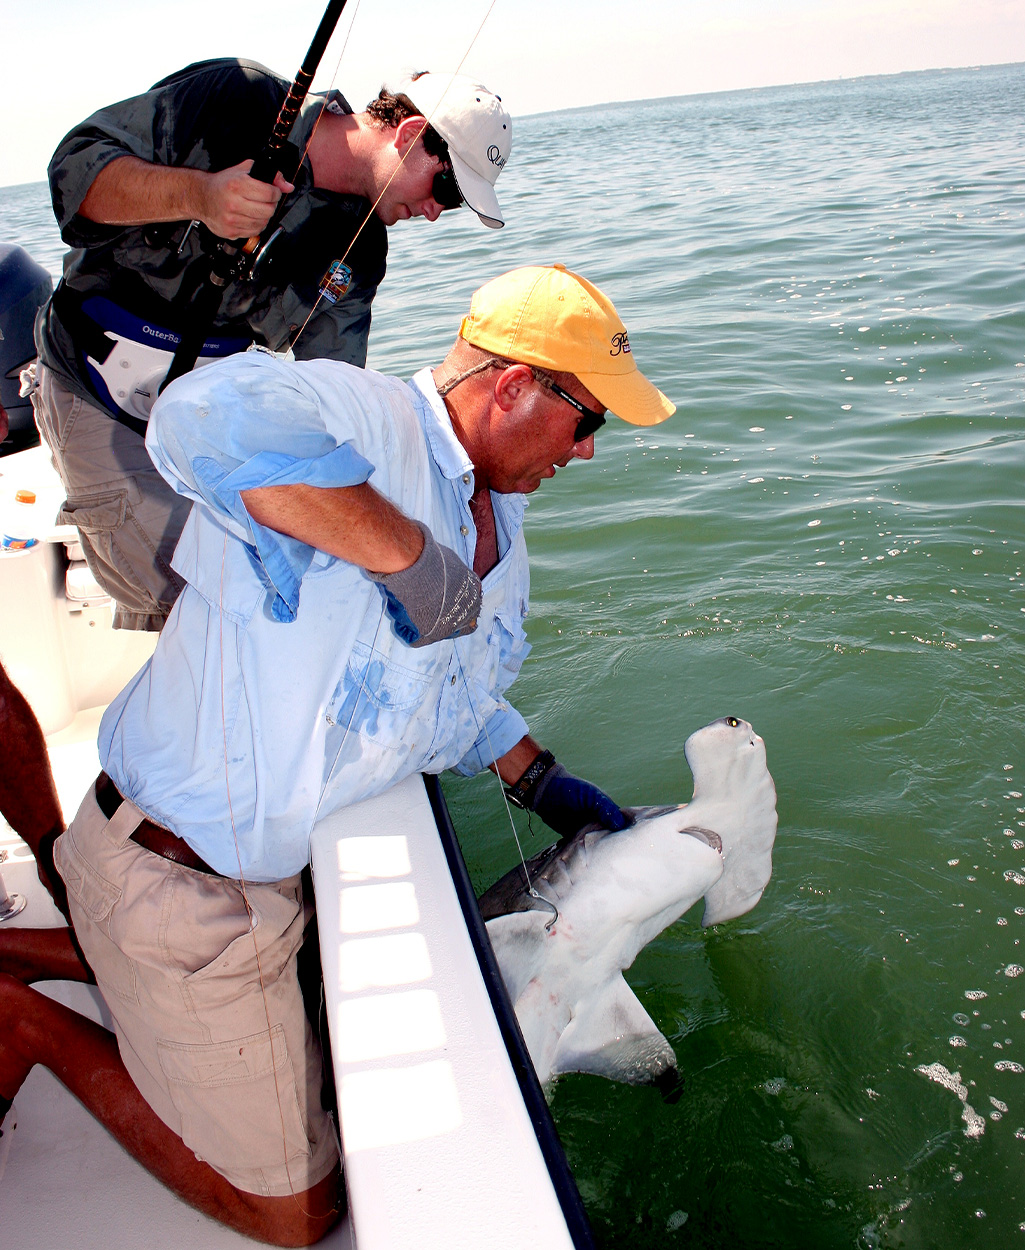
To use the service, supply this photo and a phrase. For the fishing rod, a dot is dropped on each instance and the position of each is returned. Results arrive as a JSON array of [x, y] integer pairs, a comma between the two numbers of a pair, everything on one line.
[[230, 260]]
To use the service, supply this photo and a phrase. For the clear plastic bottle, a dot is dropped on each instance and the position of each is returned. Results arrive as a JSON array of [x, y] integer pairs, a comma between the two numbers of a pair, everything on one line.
[[19, 523]]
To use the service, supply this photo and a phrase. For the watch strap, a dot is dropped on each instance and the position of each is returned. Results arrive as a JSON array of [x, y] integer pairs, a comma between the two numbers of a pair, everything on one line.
[[522, 793]]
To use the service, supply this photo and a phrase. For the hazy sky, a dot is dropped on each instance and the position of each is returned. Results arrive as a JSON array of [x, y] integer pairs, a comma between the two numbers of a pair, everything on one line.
[[64, 59]]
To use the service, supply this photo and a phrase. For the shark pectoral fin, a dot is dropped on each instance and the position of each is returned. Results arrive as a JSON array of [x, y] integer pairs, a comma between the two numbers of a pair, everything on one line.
[[614, 1036], [542, 1017]]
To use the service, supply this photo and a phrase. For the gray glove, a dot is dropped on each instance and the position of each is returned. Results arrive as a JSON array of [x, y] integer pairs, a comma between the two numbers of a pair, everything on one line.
[[436, 598]]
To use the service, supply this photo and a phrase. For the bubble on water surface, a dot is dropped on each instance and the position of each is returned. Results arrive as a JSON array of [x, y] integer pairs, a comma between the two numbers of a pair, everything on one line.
[[868, 1238], [974, 995], [676, 1221], [974, 1124]]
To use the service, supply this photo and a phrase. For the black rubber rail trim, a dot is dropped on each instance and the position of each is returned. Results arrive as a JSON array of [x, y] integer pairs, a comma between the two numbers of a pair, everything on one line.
[[530, 1088]]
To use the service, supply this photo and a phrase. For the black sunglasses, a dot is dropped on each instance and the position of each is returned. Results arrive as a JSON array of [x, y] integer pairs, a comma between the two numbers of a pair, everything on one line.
[[445, 190], [590, 421]]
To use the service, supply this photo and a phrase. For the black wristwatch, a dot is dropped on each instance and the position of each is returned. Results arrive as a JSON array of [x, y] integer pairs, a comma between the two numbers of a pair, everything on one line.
[[521, 794]]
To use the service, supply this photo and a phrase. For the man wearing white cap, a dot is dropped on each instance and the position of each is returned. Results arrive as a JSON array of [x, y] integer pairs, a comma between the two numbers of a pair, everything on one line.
[[357, 584], [140, 191]]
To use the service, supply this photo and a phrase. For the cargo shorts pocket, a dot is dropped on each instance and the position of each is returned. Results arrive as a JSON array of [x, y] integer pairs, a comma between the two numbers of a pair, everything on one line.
[[122, 553], [237, 1100], [97, 897], [97, 514]]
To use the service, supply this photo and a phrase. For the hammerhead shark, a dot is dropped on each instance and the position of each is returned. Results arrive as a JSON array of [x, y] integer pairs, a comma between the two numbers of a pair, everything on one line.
[[567, 924]]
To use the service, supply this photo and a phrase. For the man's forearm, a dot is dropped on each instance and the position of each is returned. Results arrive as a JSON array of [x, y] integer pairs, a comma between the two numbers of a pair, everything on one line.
[[133, 192], [355, 523], [514, 763]]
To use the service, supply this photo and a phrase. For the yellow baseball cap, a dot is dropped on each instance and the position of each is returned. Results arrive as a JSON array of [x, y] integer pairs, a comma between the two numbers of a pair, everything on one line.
[[547, 316]]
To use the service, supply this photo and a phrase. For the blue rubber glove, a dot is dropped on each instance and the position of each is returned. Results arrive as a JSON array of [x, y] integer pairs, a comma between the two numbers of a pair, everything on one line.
[[566, 803]]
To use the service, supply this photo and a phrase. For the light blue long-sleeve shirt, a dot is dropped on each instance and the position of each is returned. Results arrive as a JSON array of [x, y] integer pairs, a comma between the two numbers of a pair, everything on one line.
[[278, 690]]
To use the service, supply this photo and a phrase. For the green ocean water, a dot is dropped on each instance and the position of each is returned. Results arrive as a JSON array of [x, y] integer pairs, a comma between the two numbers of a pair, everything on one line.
[[827, 540]]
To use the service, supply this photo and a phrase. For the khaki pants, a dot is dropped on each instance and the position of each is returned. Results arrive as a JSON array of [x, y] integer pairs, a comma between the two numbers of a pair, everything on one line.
[[128, 518], [213, 1034]]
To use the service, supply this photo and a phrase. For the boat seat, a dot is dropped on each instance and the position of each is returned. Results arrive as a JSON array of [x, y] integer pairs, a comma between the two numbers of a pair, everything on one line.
[[81, 589]]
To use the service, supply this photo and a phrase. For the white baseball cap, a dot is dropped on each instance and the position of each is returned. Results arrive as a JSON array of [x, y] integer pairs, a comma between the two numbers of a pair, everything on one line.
[[478, 130]]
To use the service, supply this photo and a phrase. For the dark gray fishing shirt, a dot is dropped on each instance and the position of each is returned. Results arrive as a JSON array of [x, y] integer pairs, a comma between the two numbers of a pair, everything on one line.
[[208, 116]]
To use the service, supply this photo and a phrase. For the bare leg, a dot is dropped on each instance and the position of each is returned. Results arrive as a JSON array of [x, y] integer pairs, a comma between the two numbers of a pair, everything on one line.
[[28, 795], [43, 955], [84, 1057]]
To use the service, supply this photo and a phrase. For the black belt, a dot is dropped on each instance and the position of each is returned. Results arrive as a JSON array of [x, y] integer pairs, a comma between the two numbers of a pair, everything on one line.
[[153, 837], [88, 335]]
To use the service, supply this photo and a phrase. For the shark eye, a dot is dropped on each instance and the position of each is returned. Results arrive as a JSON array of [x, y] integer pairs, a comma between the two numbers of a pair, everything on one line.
[[731, 721]]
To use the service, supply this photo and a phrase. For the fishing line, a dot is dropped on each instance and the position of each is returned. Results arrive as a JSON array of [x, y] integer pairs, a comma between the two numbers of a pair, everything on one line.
[[402, 161], [309, 143], [501, 785], [330, 88], [363, 690], [249, 907]]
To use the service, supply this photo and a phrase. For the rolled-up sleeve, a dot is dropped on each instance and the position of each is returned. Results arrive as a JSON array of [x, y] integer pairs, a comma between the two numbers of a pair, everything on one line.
[[109, 134], [240, 425], [504, 728], [168, 125]]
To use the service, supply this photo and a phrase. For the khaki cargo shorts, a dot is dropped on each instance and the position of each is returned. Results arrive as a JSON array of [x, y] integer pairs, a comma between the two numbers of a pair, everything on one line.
[[175, 957], [128, 518]]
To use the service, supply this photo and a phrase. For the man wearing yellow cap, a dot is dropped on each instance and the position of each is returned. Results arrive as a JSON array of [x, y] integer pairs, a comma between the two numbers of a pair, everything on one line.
[[356, 585]]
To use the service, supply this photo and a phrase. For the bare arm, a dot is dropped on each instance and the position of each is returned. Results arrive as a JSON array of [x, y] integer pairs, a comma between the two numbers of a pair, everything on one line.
[[514, 763], [133, 192], [355, 523], [28, 794]]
